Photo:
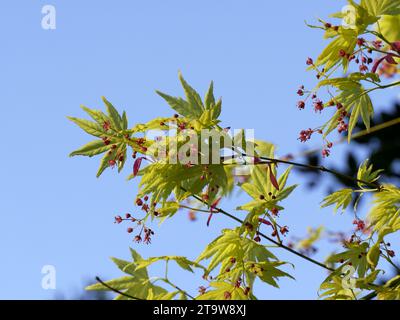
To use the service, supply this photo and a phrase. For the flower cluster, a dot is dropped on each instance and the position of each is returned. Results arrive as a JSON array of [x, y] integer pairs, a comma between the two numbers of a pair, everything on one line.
[[145, 233]]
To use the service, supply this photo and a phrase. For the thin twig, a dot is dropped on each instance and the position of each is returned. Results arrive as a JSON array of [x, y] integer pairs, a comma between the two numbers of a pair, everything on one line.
[[280, 245], [116, 290], [317, 168]]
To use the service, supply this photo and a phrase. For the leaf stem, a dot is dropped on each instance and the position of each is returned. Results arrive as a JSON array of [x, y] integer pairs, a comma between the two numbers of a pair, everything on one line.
[[177, 288]]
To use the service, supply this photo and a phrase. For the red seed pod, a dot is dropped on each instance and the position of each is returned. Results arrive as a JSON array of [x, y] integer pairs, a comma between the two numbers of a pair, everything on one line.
[[112, 163], [284, 230], [139, 202], [202, 290], [272, 177], [106, 125], [360, 41], [192, 216], [249, 226], [263, 221], [227, 295], [326, 153], [136, 166], [118, 219], [275, 211], [129, 230], [396, 46], [301, 105]]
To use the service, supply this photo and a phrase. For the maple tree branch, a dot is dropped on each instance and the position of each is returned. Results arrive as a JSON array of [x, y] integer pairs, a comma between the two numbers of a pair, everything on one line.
[[116, 290], [266, 160], [280, 245]]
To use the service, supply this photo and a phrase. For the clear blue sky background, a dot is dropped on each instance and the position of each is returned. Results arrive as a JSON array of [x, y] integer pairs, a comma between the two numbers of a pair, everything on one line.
[[53, 209]]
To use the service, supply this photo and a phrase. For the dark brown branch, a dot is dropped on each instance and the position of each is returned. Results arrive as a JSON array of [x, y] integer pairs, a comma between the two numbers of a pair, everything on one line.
[[280, 245], [266, 160], [116, 290]]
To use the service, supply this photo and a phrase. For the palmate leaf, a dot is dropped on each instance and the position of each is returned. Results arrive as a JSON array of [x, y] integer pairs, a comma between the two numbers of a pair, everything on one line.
[[333, 290], [137, 284], [91, 149], [96, 115], [260, 186], [154, 124], [89, 127], [192, 107], [161, 180], [391, 290], [224, 291], [179, 105], [209, 100], [362, 107], [355, 100], [385, 215], [381, 7], [192, 97], [124, 121], [232, 244], [115, 118], [330, 56], [389, 26], [346, 38], [109, 126], [333, 287], [356, 255], [251, 259], [367, 174], [341, 199], [267, 271], [162, 296], [183, 262]]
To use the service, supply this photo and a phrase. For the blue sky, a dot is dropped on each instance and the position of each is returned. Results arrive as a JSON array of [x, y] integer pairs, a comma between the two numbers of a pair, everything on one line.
[[54, 210]]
